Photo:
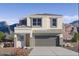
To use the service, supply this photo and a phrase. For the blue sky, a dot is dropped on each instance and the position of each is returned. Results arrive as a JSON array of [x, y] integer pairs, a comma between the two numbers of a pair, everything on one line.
[[12, 13]]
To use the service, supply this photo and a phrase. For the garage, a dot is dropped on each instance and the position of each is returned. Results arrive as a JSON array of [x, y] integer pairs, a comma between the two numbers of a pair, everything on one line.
[[46, 41]]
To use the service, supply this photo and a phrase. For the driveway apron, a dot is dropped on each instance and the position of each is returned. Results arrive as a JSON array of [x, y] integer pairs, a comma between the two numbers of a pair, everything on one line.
[[52, 51]]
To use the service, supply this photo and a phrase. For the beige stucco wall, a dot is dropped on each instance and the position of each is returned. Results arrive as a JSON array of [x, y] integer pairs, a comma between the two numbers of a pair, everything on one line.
[[22, 30], [45, 21], [61, 39], [32, 42]]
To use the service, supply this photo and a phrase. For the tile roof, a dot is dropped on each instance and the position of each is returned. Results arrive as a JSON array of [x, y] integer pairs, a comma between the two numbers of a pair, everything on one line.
[[48, 14]]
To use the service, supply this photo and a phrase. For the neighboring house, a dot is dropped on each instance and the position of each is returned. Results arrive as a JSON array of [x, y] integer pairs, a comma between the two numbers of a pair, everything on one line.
[[68, 32], [39, 30]]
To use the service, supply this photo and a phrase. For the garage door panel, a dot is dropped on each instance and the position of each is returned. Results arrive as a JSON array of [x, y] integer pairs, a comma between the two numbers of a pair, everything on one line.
[[45, 41]]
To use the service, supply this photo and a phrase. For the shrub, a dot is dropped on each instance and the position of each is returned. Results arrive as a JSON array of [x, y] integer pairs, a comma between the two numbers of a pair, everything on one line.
[[76, 37], [1, 36], [11, 37]]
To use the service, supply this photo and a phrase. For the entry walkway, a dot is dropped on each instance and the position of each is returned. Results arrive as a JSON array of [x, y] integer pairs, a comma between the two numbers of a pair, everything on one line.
[[52, 51]]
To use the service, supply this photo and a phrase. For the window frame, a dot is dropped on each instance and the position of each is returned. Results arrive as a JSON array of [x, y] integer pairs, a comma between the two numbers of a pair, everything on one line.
[[38, 24], [53, 23]]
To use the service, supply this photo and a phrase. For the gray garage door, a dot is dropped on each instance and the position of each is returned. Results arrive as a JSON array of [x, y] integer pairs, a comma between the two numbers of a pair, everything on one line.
[[46, 40]]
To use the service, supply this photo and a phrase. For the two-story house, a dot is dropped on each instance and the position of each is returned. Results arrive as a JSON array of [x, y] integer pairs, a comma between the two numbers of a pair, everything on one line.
[[39, 30]]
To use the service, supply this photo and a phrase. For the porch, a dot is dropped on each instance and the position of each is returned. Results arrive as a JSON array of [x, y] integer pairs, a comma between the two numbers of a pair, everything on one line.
[[22, 37]]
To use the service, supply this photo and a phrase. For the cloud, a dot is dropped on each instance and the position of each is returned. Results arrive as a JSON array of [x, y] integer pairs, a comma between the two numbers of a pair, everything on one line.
[[9, 21], [69, 19]]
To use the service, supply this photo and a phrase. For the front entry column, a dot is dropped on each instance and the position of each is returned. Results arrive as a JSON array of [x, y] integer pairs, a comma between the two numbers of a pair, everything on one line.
[[61, 39], [32, 40], [24, 40], [15, 41]]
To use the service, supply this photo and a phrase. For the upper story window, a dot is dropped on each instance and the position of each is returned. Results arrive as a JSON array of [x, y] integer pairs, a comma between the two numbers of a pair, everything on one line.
[[36, 22], [54, 22]]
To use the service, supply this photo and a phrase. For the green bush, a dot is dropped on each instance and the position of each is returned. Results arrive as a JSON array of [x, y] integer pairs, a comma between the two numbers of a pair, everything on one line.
[[1, 36], [11, 38], [76, 37]]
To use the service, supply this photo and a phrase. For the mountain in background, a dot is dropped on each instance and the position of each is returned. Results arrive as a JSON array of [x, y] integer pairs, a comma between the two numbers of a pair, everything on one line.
[[12, 26], [7, 28], [4, 27], [76, 24]]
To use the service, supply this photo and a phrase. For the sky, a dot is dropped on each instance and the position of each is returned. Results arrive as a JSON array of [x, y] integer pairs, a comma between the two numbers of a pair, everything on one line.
[[12, 13]]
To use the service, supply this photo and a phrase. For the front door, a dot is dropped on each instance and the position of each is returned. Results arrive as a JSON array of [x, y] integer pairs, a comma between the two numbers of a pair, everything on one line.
[[27, 40]]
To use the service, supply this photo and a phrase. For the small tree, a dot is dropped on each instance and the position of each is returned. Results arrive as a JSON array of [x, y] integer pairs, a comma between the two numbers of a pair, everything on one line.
[[11, 37], [76, 37], [1, 36]]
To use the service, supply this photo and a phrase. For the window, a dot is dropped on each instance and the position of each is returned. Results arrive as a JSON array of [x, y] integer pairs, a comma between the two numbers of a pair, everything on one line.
[[54, 22], [36, 22]]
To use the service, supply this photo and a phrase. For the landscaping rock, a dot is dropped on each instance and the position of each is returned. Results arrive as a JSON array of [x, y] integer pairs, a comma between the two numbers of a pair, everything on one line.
[[20, 52]]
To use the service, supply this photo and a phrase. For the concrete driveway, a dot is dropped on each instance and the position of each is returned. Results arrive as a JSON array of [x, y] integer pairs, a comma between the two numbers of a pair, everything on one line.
[[52, 51]]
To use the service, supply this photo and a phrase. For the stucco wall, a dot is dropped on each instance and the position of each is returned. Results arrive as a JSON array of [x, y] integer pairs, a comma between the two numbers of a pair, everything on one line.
[[22, 30], [61, 39], [46, 22]]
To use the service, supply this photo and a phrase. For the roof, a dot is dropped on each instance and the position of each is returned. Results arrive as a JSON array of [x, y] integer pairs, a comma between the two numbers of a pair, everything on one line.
[[68, 25], [48, 14]]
